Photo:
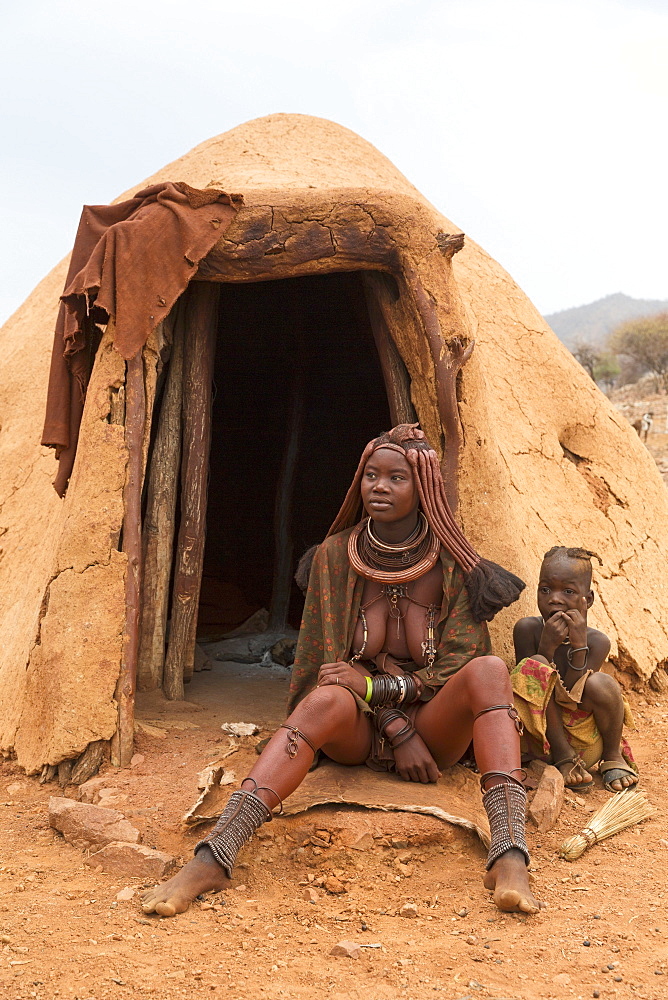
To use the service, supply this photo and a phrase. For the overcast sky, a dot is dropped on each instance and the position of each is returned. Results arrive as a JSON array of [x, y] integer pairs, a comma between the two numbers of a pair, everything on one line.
[[537, 126]]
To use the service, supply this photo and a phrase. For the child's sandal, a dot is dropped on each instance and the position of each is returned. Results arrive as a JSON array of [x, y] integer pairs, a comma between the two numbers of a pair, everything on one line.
[[575, 761]]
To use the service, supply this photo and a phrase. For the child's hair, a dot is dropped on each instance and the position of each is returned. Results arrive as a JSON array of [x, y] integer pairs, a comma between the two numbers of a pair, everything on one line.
[[583, 556]]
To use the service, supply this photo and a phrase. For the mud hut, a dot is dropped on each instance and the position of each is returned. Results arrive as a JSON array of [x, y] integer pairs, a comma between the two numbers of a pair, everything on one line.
[[333, 303]]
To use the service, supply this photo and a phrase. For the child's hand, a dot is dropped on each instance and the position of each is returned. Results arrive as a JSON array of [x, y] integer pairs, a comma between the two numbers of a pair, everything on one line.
[[555, 631], [576, 620]]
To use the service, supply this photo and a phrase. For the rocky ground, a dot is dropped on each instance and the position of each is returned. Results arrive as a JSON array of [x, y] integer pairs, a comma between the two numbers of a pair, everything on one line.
[[408, 892]]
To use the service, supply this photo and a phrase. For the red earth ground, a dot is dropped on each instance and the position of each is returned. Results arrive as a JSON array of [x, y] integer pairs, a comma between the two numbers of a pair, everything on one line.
[[64, 934]]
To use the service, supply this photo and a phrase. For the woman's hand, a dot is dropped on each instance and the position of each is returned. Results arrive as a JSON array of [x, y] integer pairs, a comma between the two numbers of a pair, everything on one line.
[[342, 673], [412, 758]]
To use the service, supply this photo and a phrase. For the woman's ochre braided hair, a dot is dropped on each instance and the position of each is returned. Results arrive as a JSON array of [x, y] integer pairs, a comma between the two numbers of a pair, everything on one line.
[[490, 587]]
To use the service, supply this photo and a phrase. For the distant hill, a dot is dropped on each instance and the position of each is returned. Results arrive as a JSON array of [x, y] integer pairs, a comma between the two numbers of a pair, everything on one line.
[[592, 323]]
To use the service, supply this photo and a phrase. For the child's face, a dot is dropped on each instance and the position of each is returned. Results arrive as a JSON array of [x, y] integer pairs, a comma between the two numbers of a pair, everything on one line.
[[562, 585]]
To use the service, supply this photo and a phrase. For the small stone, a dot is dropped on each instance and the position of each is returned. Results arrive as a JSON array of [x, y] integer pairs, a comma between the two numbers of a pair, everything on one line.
[[463, 912], [346, 949], [125, 894], [90, 790], [310, 895], [86, 826], [471, 939], [363, 843], [408, 910], [318, 842], [399, 842], [587, 944], [111, 798], [239, 728], [596, 993], [15, 788], [549, 799], [324, 835], [563, 979], [617, 979], [137, 759], [334, 885], [132, 860]]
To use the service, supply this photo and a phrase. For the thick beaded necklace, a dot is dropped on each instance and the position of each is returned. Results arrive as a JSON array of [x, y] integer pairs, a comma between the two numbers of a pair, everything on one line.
[[394, 566]]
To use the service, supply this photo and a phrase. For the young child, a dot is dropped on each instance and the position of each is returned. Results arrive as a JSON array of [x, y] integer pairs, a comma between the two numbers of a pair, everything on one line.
[[572, 714]]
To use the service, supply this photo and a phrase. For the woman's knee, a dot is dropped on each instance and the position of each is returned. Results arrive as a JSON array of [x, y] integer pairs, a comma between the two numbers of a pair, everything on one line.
[[330, 705], [489, 673]]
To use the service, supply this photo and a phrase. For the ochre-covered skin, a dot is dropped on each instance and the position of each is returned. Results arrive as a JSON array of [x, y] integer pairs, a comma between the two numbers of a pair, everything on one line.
[[545, 459]]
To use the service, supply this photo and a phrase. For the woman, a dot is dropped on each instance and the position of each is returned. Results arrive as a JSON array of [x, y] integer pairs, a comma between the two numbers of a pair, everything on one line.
[[396, 607]]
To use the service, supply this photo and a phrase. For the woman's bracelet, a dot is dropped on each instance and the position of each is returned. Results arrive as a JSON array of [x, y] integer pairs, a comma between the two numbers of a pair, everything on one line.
[[385, 716], [388, 689], [369, 689]]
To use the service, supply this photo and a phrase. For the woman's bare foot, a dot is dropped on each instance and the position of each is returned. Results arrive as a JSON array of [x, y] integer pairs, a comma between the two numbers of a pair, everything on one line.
[[509, 879], [202, 874], [574, 774]]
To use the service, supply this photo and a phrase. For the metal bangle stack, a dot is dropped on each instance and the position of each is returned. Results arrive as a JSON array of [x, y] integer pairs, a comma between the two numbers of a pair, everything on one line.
[[384, 716], [388, 689]]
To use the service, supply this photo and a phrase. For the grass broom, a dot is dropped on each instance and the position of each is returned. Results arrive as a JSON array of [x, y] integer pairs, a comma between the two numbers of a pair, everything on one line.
[[622, 810]]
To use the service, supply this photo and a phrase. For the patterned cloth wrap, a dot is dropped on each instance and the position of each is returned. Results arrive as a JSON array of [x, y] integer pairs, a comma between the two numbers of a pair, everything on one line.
[[331, 611], [533, 683]]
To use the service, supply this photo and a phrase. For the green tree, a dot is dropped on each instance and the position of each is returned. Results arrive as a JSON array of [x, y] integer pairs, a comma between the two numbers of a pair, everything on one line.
[[645, 341]]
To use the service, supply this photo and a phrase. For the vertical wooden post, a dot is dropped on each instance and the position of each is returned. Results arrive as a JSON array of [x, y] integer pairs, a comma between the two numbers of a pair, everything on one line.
[[449, 357], [159, 520], [201, 327], [135, 415], [395, 375]]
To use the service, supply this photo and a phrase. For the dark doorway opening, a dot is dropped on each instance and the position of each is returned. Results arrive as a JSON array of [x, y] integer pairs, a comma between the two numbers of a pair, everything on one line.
[[296, 367]]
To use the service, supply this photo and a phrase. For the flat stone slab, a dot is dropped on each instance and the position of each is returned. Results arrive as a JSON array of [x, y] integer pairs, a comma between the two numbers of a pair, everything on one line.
[[87, 826], [133, 860]]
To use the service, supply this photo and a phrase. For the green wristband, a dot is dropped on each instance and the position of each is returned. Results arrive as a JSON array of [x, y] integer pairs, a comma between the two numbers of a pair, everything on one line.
[[369, 690]]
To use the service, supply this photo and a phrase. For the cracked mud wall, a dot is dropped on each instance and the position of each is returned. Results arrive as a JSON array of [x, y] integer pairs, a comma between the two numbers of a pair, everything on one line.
[[31, 513], [74, 664]]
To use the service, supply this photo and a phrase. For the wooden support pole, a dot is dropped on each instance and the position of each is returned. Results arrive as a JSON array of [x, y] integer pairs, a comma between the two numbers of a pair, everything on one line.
[[159, 520], [449, 357], [135, 415], [395, 374], [201, 327]]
